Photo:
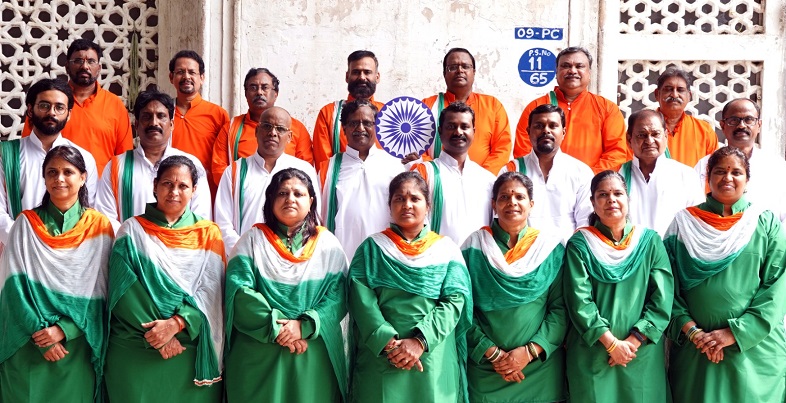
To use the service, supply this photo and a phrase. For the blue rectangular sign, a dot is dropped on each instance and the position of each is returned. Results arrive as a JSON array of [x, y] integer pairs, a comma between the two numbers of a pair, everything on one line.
[[541, 33]]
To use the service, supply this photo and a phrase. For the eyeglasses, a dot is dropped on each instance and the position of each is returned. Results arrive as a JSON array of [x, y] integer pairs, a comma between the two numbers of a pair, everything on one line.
[[735, 121], [44, 107], [644, 136], [267, 127], [452, 68], [79, 62], [354, 124]]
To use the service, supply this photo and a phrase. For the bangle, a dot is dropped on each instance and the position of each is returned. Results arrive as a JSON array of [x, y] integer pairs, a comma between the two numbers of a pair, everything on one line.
[[181, 324], [422, 341], [635, 333], [693, 332], [532, 352], [494, 357], [612, 346]]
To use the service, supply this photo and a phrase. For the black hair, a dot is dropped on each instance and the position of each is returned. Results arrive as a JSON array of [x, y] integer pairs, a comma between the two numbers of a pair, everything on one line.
[[310, 222], [575, 49], [510, 176], [673, 71], [187, 54], [409, 176], [544, 109], [176, 161], [728, 151], [456, 50], [259, 70], [146, 97], [352, 106], [456, 107], [82, 44], [596, 181], [728, 104], [361, 54], [74, 157], [643, 113], [48, 84]]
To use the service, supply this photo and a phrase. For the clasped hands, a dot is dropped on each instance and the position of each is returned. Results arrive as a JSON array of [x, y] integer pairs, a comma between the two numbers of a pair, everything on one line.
[[404, 353], [51, 337], [291, 337], [712, 343], [161, 336], [510, 364]]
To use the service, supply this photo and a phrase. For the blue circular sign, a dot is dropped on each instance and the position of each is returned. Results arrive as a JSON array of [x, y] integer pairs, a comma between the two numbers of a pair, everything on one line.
[[537, 67], [405, 125]]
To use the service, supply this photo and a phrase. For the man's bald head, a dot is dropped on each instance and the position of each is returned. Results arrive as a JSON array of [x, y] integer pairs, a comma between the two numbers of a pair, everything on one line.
[[273, 132]]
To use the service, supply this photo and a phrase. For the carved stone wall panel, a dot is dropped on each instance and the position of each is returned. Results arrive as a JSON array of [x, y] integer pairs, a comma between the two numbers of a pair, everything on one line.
[[714, 84], [742, 17], [34, 38]]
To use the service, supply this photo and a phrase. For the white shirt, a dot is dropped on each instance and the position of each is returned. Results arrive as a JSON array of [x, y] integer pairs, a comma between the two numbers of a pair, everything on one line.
[[31, 181], [108, 197], [466, 196], [361, 195], [766, 183], [670, 189], [228, 212], [562, 203]]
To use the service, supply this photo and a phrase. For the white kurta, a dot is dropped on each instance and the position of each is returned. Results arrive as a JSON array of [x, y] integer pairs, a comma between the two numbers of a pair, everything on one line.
[[466, 196], [361, 195], [108, 198], [31, 181], [562, 202], [670, 189], [227, 211], [766, 183]]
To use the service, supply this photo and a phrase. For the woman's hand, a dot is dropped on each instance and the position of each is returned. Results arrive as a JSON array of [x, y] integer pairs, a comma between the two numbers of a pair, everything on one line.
[[48, 336], [624, 353], [171, 349], [512, 363], [56, 353], [298, 346], [161, 331], [289, 332], [714, 341], [406, 354]]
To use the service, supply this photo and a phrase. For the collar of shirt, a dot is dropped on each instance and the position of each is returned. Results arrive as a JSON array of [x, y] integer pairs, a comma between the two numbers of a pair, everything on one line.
[[89, 99], [422, 233], [716, 207], [154, 215], [561, 96], [293, 243], [451, 162], [351, 98], [355, 154], [139, 154], [606, 231], [194, 103], [61, 222], [35, 141], [502, 237], [451, 97]]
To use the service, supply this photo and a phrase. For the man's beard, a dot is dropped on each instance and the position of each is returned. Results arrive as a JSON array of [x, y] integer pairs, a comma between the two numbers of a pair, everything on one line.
[[38, 123], [361, 89], [83, 81]]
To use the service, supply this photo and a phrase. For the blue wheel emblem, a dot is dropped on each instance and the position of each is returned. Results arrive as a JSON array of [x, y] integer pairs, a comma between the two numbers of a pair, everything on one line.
[[405, 125]]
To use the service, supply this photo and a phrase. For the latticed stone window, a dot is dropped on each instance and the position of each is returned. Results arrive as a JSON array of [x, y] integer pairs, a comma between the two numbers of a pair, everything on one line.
[[743, 17], [34, 38], [714, 84]]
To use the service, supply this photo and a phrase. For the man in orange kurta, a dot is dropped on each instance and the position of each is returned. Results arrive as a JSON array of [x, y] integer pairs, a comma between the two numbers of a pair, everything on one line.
[[197, 121], [491, 146], [362, 77], [238, 138], [690, 139], [595, 128], [99, 120]]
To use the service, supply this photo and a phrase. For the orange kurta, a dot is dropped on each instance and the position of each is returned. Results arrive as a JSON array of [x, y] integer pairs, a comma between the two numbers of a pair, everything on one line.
[[299, 147], [197, 130], [491, 146], [100, 125], [323, 132], [692, 139], [595, 131]]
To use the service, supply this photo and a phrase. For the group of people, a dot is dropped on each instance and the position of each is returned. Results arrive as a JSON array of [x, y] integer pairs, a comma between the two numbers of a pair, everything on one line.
[[464, 276]]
